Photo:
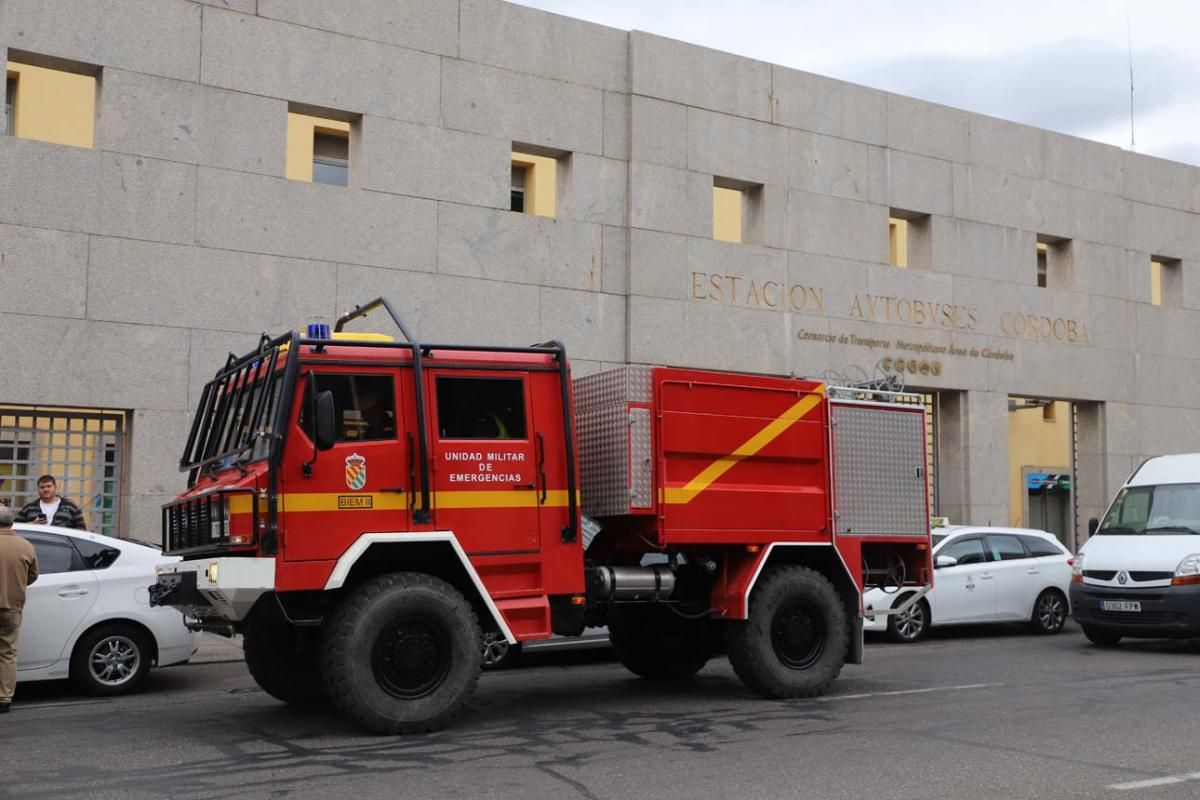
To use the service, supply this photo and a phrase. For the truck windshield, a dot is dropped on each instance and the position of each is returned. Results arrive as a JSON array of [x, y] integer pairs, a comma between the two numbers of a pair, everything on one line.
[[235, 419], [1168, 509]]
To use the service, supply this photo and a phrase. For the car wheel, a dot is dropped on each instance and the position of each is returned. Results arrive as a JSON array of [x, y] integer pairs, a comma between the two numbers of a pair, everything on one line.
[[909, 625], [497, 652], [1100, 637], [112, 659], [1049, 612]]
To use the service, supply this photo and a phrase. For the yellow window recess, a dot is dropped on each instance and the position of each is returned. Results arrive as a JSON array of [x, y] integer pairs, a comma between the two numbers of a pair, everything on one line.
[[727, 214], [1156, 271], [898, 241], [51, 105], [318, 149], [534, 180]]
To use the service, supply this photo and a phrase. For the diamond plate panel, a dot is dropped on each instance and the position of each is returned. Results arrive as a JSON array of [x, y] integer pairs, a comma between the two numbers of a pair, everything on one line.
[[609, 478], [641, 471], [879, 471]]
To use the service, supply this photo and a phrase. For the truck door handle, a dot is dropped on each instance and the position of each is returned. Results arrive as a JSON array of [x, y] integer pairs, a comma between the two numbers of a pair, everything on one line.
[[397, 489], [526, 487], [72, 591]]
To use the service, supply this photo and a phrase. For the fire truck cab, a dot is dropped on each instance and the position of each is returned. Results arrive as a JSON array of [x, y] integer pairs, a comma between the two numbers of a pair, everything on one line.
[[366, 510]]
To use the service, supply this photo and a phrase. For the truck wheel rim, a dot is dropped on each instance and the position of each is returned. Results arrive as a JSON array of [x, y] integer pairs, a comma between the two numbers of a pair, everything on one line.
[[114, 660], [910, 623], [798, 635], [1051, 614], [411, 657]]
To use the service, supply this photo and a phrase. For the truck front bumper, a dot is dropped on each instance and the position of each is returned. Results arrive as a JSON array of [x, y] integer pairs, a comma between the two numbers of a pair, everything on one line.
[[214, 589]]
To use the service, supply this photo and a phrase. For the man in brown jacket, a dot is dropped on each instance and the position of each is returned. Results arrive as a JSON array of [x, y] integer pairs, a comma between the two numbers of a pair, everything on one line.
[[18, 569]]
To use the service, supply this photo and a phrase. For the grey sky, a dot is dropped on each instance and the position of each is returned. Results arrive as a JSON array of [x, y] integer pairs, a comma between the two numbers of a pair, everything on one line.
[[1057, 64]]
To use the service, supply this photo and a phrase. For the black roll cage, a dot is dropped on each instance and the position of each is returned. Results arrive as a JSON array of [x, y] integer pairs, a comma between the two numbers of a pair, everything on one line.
[[205, 448]]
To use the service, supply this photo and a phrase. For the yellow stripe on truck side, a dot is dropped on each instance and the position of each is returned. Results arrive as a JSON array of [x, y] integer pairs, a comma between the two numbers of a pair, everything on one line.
[[772, 431], [294, 502]]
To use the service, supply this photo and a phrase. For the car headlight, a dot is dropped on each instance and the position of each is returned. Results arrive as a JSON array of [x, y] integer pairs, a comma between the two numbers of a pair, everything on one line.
[[1077, 568], [1188, 571]]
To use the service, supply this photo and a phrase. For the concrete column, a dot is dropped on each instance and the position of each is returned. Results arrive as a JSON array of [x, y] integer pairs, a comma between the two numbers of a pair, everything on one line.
[[973, 457], [1092, 489]]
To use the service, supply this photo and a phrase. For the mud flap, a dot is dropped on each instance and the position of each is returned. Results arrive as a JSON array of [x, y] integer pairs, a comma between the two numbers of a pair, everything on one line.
[[854, 647]]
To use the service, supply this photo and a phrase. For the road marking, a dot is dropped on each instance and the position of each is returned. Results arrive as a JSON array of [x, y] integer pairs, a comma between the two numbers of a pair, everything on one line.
[[959, 688], [1150, 783], [64, 704]]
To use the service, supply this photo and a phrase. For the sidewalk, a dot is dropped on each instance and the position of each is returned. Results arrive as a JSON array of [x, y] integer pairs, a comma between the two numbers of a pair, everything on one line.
[[214, 648]]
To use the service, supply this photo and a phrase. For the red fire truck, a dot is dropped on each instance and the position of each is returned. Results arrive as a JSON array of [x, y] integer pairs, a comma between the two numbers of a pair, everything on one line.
[[365, 510]]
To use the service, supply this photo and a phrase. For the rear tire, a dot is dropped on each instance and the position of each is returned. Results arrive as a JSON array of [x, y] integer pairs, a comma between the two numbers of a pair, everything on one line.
[[112, 659], [658, 644], [909, 626], [1100, 637], [282, 658], [1049, 612], [795, 640], [402, 653]]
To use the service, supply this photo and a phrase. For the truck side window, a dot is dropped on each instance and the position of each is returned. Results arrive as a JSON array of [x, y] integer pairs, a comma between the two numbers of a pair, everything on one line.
[[364, 406], [481, 408]]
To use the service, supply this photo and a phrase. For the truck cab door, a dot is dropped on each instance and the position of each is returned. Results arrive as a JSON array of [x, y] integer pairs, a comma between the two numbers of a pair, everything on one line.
[[485, 478], [362, 483]]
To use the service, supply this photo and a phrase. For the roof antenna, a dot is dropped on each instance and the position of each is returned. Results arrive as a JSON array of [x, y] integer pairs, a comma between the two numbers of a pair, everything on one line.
[[1129, 34]]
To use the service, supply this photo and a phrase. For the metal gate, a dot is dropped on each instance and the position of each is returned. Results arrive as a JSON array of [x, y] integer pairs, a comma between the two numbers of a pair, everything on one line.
[[82, 449]]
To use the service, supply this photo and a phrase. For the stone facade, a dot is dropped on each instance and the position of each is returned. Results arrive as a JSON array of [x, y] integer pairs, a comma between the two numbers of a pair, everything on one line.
[[129, 270]]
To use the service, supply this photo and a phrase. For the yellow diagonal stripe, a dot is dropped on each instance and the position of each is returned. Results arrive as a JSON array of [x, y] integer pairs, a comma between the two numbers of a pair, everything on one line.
[[769, 433]]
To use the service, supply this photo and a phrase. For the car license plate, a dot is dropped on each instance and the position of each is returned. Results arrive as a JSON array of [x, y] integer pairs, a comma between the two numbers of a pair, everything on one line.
[[1120, 605]]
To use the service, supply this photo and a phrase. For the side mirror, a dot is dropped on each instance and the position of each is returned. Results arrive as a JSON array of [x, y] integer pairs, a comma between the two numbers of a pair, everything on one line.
[[1093, 526], [945, 561], [323, 418]]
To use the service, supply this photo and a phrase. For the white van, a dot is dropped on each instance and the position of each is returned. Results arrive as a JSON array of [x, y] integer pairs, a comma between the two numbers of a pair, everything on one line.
[[1139, 573]]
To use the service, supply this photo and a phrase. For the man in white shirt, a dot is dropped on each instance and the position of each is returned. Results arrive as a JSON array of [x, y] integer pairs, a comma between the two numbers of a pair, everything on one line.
[[50, 508]]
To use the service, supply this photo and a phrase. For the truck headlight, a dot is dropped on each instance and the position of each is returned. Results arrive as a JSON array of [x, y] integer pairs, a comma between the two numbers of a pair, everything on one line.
[[1077, 568], [212, 572]]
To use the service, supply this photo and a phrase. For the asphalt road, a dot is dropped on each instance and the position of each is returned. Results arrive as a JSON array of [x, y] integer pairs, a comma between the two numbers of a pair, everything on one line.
[[978, 714]]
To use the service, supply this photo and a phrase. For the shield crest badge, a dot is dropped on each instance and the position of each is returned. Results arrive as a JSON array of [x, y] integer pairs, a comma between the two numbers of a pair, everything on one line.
[[356, 471]]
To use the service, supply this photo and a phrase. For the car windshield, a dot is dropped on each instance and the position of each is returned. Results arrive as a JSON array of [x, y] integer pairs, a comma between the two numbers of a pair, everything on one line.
[[1169, 509]]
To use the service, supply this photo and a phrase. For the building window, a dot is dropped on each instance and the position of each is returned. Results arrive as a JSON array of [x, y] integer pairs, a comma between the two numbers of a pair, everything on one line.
[[1054, 262], [535, 179], [737, 211], [51, 104], [10, 100], [520, 175], [909, 239], [1166, 281], [81, 448], [318, 149], [331, 157]]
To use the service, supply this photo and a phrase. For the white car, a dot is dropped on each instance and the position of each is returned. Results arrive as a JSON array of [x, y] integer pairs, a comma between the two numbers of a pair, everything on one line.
[[88, 615], [983, 574]]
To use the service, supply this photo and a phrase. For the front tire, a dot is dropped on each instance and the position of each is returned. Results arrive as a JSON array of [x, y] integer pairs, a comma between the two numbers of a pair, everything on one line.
[[795, 640], [402, 653], [281, 657], [1100, 637], [112, 659], [1049, 612], [657, 644], [909, 626]]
